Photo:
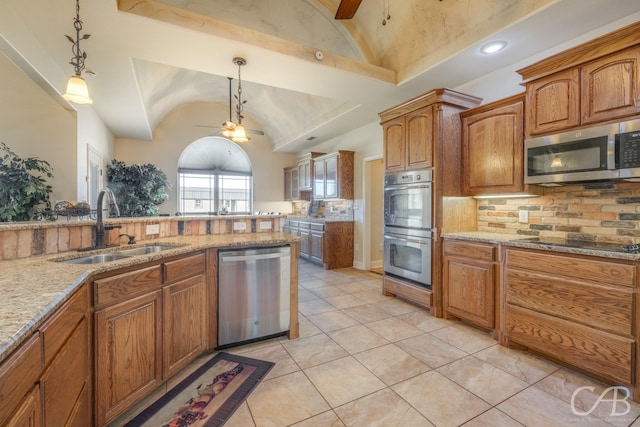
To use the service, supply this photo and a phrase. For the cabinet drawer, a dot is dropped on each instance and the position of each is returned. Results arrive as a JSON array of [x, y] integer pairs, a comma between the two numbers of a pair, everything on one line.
[[18, 374], [55, 331], [127, 285], [479, 251], [185, 267], [317, 226], [304, 225], [589, 270], [599, 306], [600, 353], [292, 223]]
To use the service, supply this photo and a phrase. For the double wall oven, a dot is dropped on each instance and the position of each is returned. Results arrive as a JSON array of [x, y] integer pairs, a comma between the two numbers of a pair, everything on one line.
[[407, 226]]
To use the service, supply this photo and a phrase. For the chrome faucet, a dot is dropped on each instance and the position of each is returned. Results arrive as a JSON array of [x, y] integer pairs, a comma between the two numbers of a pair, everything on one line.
[[113, 210]]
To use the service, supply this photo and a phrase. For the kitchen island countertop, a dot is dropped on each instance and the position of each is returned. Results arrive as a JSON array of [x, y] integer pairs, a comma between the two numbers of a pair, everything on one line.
[[32, 288]]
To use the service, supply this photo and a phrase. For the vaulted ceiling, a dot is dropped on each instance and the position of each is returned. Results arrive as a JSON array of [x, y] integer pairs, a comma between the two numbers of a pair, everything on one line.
[[307, 74]]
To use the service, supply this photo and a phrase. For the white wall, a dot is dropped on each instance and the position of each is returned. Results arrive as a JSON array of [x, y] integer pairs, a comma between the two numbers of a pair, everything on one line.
[[33, 124], [181, 127]]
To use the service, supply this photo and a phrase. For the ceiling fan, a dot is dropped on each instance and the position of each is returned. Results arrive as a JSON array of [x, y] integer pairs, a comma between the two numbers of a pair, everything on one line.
[[230, 129]]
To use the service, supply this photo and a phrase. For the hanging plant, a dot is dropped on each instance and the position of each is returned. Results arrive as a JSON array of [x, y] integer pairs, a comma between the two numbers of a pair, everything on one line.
[[24, 192], [139, 189]]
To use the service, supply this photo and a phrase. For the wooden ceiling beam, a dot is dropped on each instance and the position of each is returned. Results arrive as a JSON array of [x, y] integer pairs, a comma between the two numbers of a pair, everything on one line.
[[347, 8]]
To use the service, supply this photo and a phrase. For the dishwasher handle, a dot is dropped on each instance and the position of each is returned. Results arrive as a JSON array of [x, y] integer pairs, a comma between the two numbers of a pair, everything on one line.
[[254, 257]]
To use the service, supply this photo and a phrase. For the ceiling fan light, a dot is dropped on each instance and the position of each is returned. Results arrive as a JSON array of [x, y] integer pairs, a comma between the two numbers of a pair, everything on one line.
[[239, 134], [77, 91]]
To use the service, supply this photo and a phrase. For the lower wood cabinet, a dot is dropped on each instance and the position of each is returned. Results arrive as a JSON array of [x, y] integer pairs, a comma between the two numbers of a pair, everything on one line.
[[128, 353], [47, 380], [141, 341], [29, 413], [470, 281], [327, 243], [578, 310]]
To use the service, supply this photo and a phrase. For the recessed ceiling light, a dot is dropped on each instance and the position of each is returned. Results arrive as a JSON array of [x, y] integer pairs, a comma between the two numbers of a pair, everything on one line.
[[493, 47]]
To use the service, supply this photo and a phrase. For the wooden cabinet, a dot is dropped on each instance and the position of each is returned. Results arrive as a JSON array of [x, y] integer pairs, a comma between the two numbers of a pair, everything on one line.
[[19, 374], [333, 176], [408, 141], [128, 353], [305, 171], [184, 312], [425, 132], [149, 323], [291, 184], [579, 310], [493, 148], [598, 81], [29, 413], [66, 381], [47, 380], [326, 243], [470, 281]]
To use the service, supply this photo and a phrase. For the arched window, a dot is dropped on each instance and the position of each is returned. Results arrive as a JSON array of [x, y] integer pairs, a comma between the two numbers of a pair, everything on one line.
[[214, 175]]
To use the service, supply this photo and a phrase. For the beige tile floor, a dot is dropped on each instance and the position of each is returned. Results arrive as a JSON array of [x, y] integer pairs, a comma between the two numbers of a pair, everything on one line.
[[364, 360]]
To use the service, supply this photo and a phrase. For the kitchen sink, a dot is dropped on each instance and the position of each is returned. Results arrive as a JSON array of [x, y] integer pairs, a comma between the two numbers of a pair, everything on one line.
[[149, 249], [96, 259]]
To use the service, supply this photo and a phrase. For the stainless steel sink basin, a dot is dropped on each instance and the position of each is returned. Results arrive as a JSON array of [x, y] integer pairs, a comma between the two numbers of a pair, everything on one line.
[[149, 249], [96, 259]]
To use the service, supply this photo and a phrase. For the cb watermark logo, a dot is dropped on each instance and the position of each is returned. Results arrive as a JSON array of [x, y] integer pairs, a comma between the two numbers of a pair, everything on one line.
[[617, 396]]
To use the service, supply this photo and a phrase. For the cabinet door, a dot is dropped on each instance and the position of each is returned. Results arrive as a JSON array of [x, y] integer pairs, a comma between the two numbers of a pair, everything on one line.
[[65, 383], [287, 184], [295, 184], [553, 102], [185, 322], [305, 244], [611, 87], [331, 178], [492, 151], [419, 138], [128, 354], [469, 290], [304, 175], [318, 179], [316, 246], [29, 413], [394, 146]]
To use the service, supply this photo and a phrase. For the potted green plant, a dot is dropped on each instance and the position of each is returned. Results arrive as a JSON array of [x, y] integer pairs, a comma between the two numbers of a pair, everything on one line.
[[139, 189], [24, 192]]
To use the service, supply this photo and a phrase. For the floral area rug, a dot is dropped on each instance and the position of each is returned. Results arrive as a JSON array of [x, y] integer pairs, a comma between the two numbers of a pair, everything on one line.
[[209, 396]]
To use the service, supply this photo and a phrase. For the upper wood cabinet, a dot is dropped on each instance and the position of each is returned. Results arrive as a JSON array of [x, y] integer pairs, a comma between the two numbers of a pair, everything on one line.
[[291, 183], [408, 141], [598, 81], [333, 176], [305, 171], [492, 147]]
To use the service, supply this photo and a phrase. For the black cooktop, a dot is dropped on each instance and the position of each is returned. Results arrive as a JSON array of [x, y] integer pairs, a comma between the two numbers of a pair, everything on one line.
[[583, 244]]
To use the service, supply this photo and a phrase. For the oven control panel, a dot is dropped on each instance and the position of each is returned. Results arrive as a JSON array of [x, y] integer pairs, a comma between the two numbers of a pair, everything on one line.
[[408, 177]]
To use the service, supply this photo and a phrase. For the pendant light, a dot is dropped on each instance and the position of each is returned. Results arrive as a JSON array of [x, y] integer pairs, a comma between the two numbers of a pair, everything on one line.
[[77, 90], [239, 132]]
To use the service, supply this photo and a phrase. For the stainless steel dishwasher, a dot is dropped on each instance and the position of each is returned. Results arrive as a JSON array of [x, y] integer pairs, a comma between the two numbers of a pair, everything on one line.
[[253, 294]]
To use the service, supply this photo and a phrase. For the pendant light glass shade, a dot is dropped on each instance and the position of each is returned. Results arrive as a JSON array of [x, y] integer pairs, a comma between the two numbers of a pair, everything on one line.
[[239, 134], [77, 91]]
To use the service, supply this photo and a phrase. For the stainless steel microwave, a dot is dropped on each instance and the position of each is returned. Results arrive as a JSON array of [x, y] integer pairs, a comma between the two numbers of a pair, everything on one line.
[[600, 153]]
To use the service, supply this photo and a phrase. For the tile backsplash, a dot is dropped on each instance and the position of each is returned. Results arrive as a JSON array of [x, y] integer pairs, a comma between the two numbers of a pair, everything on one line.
[[339, 209], [603, 212]]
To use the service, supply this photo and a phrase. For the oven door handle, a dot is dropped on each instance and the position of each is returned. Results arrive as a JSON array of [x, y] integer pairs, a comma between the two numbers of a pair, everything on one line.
[[407, 187], [405, 239]]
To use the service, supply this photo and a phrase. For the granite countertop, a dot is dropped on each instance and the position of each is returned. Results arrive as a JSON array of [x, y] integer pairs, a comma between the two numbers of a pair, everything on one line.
[[309, 218], [556, 246], [33, 288]]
